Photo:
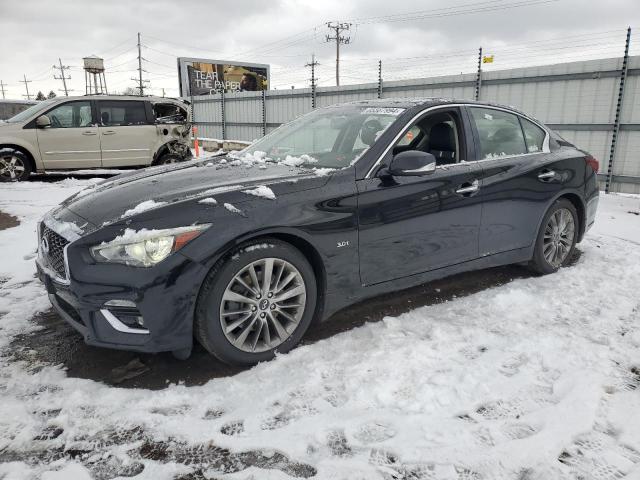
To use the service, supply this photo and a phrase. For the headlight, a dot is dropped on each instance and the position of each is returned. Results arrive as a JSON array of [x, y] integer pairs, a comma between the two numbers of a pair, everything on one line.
[[145, 248]]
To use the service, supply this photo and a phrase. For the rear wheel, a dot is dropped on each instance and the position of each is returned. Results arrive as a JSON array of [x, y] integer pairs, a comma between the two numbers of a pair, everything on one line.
[[557, 237], [14, 165], [258, 301]]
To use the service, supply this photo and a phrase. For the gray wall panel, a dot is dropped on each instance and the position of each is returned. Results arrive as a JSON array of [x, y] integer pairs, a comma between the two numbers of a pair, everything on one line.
[[581, 96]]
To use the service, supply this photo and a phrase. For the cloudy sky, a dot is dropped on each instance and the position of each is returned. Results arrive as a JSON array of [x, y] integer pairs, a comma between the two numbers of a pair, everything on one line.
[[411, 38]]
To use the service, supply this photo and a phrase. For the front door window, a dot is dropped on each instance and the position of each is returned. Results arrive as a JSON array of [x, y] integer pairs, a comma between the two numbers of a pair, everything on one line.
[[71, 115]]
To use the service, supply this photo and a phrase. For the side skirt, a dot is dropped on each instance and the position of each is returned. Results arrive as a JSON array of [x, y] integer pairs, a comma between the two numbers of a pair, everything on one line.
[[335, 302]]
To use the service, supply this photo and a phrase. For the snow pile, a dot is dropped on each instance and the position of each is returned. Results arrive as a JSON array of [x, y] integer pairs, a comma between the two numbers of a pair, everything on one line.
[[292, 161], [208, 201], [537, 378], [321, 172], [233, 209], [68, 230], [143, 207], [261, 191]]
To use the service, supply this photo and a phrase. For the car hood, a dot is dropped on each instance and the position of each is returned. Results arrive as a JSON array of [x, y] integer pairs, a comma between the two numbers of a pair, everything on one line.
[[107, 202]]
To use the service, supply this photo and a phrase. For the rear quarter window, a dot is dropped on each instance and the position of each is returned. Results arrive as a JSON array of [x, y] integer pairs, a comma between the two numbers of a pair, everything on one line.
[[533, 135]]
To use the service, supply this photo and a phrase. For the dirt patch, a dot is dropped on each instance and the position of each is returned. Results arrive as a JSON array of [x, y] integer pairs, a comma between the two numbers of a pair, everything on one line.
[[8, 221], [93, 452], [58, 343]]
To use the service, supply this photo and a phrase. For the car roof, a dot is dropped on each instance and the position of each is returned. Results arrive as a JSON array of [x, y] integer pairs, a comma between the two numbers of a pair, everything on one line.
[[411, 102], [150, 98]]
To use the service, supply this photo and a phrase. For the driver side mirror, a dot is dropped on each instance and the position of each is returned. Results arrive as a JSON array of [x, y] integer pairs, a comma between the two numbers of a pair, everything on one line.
[[412, 162], [43, 121]]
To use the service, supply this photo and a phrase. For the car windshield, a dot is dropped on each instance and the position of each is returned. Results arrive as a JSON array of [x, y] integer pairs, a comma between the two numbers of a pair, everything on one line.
[[26, 114], [332, 137]]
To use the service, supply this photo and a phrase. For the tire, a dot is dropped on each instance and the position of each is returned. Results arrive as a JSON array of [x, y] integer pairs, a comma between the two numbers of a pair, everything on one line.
[[168, 158], [286, 320], [14, 165], [557, 238]]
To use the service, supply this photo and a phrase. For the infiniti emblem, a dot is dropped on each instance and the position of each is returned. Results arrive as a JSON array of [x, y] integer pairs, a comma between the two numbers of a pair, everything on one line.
[[45, 245], [264, 304]]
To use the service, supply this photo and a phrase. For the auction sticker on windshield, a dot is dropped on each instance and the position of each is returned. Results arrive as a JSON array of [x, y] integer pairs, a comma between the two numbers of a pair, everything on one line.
[[382, 111]]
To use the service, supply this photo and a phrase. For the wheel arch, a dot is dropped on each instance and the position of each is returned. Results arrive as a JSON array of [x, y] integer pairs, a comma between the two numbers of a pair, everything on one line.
[[578, 202], [581, 208], [22, 149], [163, 149], [292, 237]]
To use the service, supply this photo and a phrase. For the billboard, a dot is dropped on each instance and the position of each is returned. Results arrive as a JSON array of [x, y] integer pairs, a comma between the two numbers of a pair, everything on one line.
[[199, 76]]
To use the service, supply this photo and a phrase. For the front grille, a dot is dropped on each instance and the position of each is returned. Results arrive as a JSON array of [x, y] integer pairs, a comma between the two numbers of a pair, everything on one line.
[[55, 256]]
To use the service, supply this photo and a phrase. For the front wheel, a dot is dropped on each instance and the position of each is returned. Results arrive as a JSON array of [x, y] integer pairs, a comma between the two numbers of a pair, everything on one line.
[[557, 237], [14, 166], [259, 300]]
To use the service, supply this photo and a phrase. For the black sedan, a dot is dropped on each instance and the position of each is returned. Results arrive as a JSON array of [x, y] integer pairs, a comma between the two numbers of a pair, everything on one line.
[[243, 252]]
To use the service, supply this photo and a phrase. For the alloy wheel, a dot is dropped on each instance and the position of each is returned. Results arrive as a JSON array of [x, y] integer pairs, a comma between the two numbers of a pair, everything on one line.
[[263, 305], [558, 237], [11, 167]]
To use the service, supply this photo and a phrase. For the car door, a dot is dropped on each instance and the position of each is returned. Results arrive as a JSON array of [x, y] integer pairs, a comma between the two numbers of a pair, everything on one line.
[[127, 135], [413, 224], [519, 177], [72, 140]]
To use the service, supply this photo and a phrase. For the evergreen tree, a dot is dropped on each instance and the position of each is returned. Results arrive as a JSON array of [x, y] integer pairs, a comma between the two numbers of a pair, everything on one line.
[[52, 94], [40, 97]]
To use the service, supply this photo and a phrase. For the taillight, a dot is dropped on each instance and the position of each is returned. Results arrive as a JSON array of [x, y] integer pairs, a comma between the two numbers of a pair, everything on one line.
[[592, 162]]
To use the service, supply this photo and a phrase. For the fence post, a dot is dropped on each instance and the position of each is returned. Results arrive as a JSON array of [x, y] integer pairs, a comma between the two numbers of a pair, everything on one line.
[[479, 75], [616, 123], [224, 116], [264, 113], [379, 78]]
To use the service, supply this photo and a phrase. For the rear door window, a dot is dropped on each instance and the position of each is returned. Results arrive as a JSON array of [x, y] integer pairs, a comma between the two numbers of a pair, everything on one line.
[[499, 133], [114, 113]]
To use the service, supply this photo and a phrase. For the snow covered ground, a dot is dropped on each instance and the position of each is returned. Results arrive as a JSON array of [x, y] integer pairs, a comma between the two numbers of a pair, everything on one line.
[[537, 379]]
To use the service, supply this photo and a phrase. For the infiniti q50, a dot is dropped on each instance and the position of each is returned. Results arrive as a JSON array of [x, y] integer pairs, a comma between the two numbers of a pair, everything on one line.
[[243, 252]]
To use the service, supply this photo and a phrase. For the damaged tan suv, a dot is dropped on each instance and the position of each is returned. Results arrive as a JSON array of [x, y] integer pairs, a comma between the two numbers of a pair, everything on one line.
[[94, 131]]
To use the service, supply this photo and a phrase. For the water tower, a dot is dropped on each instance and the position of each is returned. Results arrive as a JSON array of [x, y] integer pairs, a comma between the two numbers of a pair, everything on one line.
[[94, 70]]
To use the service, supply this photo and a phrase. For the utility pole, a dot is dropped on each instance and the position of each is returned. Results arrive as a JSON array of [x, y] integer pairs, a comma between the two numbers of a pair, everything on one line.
[[139, 79], [338, 27], [26, 85], [62, 77], [313, 65], [2, 85]]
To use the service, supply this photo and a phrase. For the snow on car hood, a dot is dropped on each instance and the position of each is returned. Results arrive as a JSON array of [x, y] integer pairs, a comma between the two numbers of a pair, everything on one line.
[[125, 195]]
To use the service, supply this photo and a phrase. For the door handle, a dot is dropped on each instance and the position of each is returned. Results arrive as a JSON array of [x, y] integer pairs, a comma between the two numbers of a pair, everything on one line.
[[89, 133], [109, 132], [467, 188], [546, 175]]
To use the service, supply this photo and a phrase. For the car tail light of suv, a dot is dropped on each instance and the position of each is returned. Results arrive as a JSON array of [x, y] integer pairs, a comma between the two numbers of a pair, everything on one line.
[[592, 162]]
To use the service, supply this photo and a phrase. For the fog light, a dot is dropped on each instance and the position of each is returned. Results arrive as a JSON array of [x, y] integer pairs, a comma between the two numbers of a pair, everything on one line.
[[126, 311]]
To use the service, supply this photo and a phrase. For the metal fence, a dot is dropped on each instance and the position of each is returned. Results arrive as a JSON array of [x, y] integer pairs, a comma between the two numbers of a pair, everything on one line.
[[594, 104]]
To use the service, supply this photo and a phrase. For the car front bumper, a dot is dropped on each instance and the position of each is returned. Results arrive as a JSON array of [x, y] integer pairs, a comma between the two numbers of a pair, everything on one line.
[[105, 314]]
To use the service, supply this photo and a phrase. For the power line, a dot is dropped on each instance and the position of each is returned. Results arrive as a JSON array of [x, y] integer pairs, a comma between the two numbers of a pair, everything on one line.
[[463, 9]]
